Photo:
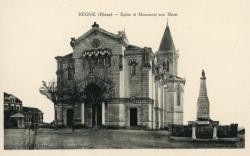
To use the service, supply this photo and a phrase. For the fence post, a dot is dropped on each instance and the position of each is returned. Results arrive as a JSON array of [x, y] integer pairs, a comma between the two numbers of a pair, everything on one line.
[[193, 132], [215, 132]]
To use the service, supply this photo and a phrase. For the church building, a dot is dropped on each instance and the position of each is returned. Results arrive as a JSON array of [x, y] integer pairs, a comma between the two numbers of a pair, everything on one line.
[[122, 85]]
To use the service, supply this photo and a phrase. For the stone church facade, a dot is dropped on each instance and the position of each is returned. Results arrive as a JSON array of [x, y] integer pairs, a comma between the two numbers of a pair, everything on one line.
[[123, 85]]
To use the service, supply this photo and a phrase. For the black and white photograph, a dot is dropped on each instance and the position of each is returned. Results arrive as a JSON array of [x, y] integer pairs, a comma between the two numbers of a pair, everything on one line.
[[134, 75]]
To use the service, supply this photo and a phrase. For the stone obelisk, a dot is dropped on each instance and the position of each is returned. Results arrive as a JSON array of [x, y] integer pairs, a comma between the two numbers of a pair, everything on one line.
[[203, 102], [201, 128]]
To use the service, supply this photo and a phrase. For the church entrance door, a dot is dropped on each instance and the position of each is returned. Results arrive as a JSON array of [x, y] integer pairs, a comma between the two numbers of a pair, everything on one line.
[[69, 117], [133, 117], [93, 105]]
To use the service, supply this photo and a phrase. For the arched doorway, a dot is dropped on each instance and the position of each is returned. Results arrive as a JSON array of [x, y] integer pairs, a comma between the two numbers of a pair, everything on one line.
[[93, 105]]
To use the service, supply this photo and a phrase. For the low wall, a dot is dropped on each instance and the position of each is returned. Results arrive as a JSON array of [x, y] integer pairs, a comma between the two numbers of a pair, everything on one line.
[[204, 132], [180, 130], [227, 131]]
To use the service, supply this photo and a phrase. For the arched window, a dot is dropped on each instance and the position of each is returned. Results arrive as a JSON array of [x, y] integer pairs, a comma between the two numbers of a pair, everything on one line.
[[133, 63], [167, 68], [164, 66], [178, 94]]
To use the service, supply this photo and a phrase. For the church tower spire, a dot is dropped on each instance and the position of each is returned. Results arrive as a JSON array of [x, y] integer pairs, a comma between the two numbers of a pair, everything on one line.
[[167, 43], [167, 55], [203, 101]]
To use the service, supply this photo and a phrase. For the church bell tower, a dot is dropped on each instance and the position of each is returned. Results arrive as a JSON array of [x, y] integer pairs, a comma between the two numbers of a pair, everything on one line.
[[167, 61], [167, 55]]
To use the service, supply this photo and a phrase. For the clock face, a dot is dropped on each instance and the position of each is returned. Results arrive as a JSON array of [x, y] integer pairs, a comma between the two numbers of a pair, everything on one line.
[[96, 43]]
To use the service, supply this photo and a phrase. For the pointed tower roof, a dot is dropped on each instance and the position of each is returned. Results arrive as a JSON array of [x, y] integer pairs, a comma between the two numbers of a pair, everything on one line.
[[167, 43]]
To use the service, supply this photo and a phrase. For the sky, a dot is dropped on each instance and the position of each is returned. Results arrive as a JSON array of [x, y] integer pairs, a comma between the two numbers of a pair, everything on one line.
[[210, 35]]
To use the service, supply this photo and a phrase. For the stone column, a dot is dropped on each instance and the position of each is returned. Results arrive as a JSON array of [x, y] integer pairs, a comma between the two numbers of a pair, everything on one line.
[[193, 132], [18, 122], [83, 113], [103, 113], [215, 133], [22, 121]]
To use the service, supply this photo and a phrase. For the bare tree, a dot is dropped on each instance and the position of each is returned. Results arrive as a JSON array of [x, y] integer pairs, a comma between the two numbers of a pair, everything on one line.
[[74, 93], [51, 92], [61, 85]]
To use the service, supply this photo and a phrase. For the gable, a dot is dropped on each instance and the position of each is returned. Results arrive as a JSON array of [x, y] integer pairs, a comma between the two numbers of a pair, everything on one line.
[[99, 39], [98, 31]]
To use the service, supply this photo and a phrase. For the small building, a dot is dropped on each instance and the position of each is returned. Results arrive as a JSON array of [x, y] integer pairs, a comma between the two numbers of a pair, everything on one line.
[[17, 116], [32, 115], [13, 112]]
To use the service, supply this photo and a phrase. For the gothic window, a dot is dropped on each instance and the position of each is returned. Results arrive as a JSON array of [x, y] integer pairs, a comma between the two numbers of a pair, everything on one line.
[[178, 94], [133, 63], [98, 57], [167, 66]]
